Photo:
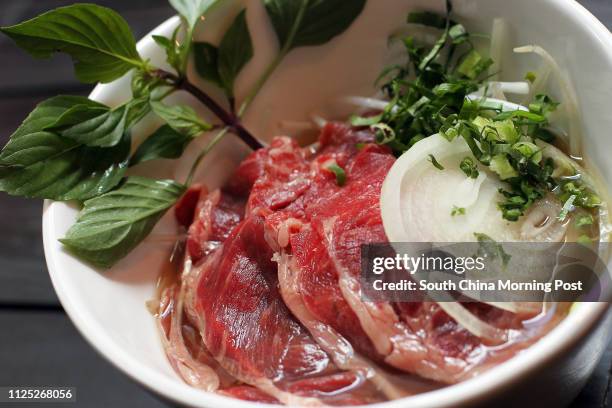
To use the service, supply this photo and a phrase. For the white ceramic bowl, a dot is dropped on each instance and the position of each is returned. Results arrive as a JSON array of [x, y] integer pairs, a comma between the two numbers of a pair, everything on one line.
[[109, 307]]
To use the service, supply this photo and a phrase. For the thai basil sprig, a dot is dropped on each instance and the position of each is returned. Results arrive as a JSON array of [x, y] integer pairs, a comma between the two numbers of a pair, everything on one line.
[[73, 148]]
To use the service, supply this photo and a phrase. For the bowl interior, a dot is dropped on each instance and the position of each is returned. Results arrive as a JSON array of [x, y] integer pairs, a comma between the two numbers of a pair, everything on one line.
[[109, 307]]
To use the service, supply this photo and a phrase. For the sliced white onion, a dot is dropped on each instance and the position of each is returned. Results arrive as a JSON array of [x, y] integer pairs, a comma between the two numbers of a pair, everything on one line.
[[422, 198], [499, 39], [496, 92], [568, 93], [417, 199], [518, 307], [366, 103], [495, 87]]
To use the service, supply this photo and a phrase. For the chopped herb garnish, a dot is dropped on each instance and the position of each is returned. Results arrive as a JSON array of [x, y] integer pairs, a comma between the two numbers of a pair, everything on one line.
[[429, 95], [489, 248], [501, 165], [457, 211], [567, 207], [469, 167], [584, 221], [360, 121], [543, 105], [585, 198], [338, 172], [529, 151], [428, 89], [435, 162]]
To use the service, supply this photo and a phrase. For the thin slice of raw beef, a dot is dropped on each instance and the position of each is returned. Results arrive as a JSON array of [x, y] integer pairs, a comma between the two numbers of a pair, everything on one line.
[[209, 217], [216, 215], [321, 232], [275, 290], [284, 178], [249, 393], [248, 329], [310, 288]]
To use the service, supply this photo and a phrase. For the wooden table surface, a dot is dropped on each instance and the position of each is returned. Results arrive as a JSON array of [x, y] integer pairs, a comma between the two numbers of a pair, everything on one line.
[[38, 343]]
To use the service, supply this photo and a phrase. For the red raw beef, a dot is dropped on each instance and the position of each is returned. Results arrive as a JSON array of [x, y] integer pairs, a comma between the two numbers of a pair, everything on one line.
[[245, 321], [249, 393], [184, 210], [247, 328], [322, 226], [357, 203], [277, 298], [320, 291], [285, 176], [215, 217]]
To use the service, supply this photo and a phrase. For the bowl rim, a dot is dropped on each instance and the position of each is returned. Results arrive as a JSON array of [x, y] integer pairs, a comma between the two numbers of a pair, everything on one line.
[[562, 338]]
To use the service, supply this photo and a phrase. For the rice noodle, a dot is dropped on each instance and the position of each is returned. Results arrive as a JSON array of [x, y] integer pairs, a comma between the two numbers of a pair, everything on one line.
[[568, 93], [497, 92], [498, 89], [517, 88]]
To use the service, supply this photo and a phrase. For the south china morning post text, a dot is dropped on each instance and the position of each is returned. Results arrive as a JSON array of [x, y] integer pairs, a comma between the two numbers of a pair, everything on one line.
[[459, 265], [493, 272]]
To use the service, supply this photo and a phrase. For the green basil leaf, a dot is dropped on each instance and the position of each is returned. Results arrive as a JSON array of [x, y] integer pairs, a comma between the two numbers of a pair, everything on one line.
[[181, 118], [206, 58], [111, 225], [97, 38], [221, 65], [99, 125], [39, 163], [192, 10], [172, 47], [311, 22], [235, 50], [46, 113], [164, 143], [144, 85], [45, 165]]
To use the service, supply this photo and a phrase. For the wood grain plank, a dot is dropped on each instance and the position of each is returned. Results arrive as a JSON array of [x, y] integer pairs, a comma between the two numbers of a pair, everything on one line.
[[40, 348], [23, 272]]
